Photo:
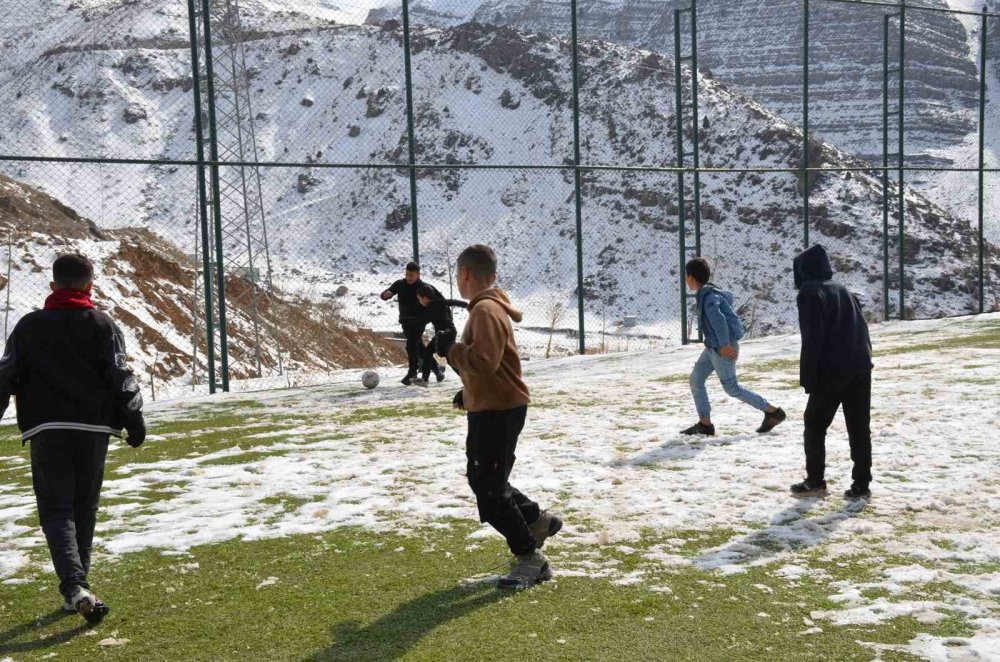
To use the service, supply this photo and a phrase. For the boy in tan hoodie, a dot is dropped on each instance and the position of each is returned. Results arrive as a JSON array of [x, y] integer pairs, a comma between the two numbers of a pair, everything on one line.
[[496, 401]]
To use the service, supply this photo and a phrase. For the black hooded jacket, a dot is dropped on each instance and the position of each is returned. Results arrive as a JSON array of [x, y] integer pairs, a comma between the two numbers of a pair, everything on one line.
[[835, 338]]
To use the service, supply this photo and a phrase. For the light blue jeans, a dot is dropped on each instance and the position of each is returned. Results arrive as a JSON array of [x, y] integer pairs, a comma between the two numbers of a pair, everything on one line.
[[711, 361]]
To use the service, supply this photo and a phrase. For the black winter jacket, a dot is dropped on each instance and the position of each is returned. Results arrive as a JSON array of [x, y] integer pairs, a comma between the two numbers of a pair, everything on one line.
[[409, 306], [67, 370], [835, 340], [438, 313]]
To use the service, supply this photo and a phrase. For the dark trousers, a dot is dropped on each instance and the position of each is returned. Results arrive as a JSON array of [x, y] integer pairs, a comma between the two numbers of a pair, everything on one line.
[[854, 392], [427, 362], [67, 470], [490, 450], [414, 332]]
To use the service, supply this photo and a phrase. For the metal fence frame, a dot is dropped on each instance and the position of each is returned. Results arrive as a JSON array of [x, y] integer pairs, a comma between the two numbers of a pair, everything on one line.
[[208, 166]]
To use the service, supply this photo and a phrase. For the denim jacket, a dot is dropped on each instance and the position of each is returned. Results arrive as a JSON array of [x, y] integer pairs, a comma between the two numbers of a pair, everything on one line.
[[719, 323]]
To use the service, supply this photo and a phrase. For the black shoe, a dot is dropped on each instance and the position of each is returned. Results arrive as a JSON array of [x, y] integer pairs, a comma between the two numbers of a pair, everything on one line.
[[439, 372], [772, 420], [858, 493], [700, 428], [406, 381], [97, 614], [808, 488]]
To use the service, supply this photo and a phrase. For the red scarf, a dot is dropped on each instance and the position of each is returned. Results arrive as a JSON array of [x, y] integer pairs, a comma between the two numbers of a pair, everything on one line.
[[67, 298]]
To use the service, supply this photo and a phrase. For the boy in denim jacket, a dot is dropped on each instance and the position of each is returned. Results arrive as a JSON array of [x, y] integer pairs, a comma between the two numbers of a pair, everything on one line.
[[722, 330]]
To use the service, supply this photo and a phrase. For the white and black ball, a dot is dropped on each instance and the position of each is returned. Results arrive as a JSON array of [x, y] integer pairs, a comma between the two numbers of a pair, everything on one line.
[[370, 379]]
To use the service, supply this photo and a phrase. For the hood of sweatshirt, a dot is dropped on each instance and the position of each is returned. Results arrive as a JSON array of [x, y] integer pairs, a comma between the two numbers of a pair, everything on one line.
[[812, 264], [500, 297], [712, 287]]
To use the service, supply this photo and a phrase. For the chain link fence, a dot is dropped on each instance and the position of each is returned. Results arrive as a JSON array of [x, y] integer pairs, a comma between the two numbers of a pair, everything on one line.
[[248, 177]]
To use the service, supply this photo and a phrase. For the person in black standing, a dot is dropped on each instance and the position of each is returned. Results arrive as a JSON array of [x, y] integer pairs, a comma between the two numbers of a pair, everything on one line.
[[411, 316], [66, 367], [835, 369]]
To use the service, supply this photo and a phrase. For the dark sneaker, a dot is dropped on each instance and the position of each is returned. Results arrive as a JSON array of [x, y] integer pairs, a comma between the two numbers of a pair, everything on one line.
[[700, 428], [808, 488], [772, 420], [546, 526], [530, 570], [85, 603], [439, 372], [406, 381], [858, 493], [97, 614]]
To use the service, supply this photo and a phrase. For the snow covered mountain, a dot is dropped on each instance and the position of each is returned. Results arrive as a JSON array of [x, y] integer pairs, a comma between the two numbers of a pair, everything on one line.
[[485, 95], [148, 286], [757, 46]]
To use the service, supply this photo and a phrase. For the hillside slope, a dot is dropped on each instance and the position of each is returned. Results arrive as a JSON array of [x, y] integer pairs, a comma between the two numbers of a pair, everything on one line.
[[148, 286]]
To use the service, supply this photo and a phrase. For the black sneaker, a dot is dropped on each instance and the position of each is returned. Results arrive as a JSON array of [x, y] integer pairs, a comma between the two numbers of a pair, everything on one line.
[[700, 428], [808, 488], [858, 493], [406, 381], [97, 614], [772, 420], [439, 372]]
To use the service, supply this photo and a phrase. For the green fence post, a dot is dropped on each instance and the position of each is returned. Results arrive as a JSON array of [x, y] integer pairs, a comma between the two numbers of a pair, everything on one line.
[[216, 203], [411, 136], [805, 124], [202, 198], [576, 178], [885, 167], [902, 150], [681, 213], [982, 162]]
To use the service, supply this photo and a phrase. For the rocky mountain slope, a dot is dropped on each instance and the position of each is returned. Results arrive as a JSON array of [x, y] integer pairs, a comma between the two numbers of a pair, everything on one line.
[[757, 46], [485, 95], [148, 286]]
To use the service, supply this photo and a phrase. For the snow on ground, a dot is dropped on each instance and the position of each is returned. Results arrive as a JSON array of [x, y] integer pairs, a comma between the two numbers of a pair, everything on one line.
[[601, 446]]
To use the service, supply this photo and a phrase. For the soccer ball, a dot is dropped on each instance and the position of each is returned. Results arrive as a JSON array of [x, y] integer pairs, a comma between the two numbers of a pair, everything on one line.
[[370, 379]]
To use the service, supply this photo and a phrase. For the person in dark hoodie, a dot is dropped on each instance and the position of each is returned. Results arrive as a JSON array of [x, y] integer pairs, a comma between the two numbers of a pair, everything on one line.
[[722, 330], [437, 313], [65, 365], [835, 369], [411, 315]]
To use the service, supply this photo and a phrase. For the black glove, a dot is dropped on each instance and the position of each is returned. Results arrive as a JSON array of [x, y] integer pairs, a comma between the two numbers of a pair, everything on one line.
[[136, 429], [444, 341], [459, 401]]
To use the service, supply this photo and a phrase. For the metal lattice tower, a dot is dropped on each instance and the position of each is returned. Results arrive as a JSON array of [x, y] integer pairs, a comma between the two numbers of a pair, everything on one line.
[[237, 248]]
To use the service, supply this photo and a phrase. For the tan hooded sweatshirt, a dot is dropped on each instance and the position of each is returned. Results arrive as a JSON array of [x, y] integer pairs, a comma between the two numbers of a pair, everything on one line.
[[487, 355]]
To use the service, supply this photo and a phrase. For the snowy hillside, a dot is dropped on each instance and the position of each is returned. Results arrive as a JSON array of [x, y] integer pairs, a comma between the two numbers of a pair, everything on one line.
[[148, 286], [485, 95], [757, 45]]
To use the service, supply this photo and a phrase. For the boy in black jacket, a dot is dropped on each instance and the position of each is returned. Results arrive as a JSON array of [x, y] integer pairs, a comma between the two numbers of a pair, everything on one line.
[[835, 369], [65, 366], [437, 313], [411, 315]]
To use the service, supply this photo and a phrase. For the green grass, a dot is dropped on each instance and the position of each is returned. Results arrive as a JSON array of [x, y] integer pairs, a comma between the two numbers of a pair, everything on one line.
[[349, 595]]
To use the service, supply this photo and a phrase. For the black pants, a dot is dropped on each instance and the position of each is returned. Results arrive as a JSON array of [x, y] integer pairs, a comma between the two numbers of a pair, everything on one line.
[[67, 470], [854, 392], [490, 450], [427, 362], [414, 332]]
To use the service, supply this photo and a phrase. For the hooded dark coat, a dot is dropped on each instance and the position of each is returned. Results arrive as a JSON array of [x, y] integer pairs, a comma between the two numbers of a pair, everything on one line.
[[835, 340]]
